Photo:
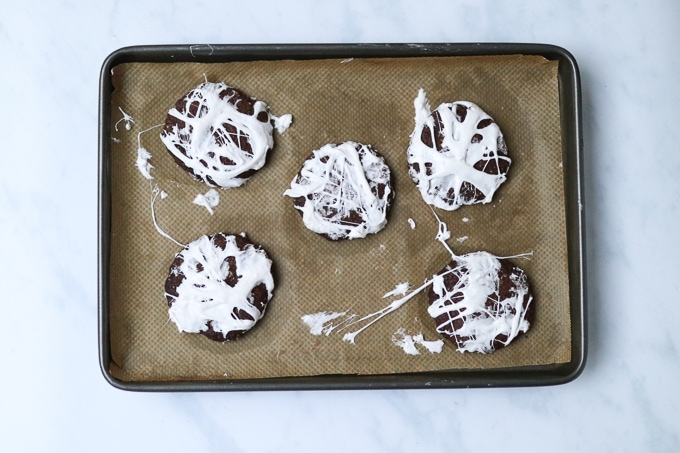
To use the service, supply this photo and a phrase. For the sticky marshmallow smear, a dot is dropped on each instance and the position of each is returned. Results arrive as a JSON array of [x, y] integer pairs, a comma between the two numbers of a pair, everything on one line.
[[143, 156], [143, 164], [209, 200], [409, 342], [322, 322]]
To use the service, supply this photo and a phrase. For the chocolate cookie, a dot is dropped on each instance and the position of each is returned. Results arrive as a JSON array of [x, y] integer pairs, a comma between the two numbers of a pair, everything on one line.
[[343, 191], [457, 155], [481, 302], [219, 286], [219, 135]]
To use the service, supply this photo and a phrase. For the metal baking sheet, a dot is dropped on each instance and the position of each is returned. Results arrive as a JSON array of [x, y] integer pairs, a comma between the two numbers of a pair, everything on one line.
[[572, 150]]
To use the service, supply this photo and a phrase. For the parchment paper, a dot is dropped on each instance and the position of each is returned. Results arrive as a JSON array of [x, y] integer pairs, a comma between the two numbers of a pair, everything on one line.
[[365, 100]]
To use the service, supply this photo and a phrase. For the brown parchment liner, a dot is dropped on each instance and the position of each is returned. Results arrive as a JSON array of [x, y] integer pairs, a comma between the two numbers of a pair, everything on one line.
[[365, 100]]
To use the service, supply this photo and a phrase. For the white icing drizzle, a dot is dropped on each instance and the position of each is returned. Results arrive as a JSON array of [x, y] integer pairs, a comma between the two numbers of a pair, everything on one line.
[[127, 118], [155, 193], [462, 239], [443, 233], [197, 138], [338, 180], [375, 317], [478, 280], [205, 296], [408, 342], [412, 223], [439, 172], [209, 200]]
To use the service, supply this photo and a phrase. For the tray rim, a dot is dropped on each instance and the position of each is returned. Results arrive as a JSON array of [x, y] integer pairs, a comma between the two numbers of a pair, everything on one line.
[[572, 151]]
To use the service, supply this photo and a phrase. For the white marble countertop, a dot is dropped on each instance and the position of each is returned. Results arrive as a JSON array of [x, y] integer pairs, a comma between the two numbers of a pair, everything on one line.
[[54, 397]]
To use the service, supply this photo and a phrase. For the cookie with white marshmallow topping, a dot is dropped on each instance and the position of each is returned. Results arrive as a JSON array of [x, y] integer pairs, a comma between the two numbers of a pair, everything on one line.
[[481, 302], [219, 286], [343, 191], [457, 155], [219, 135]]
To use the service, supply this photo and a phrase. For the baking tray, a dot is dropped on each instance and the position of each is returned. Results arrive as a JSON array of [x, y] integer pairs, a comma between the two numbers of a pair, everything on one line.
[[572, 158]]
